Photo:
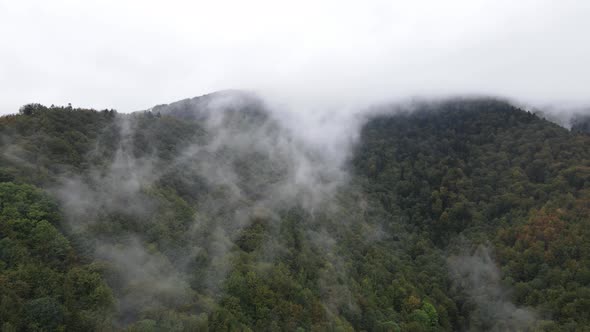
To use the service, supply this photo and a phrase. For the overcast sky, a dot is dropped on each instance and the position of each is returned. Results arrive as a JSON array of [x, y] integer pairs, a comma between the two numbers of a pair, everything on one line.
[[131, 55]]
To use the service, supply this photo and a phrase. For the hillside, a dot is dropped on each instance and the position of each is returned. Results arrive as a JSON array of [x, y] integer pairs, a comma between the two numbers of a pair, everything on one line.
[[210, 214]]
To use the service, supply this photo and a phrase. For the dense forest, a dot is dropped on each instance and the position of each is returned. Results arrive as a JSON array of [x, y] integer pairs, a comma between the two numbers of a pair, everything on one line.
[[209, 215]]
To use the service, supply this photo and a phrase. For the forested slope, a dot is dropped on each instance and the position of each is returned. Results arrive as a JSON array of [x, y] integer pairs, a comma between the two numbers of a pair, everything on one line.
[[495, 175], [208, 214]]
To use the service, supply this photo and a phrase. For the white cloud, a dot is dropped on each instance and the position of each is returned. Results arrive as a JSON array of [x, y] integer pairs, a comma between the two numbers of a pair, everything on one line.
[[133, 54]]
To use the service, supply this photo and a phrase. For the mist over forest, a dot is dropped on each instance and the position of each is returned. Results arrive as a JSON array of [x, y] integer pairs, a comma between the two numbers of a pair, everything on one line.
[[334, 165], [229, 212]]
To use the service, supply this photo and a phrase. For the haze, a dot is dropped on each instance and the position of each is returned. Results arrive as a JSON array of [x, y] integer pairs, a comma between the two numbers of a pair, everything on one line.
[[132, 55]]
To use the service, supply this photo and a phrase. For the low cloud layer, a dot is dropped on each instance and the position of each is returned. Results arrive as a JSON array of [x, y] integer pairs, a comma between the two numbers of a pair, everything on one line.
[[332, 54]]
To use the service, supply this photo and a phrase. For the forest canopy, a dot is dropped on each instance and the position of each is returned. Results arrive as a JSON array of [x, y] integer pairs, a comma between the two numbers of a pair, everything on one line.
[[463, 214]]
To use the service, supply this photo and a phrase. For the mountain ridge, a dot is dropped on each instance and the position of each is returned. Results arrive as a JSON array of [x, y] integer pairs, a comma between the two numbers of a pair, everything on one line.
[[222, 220]]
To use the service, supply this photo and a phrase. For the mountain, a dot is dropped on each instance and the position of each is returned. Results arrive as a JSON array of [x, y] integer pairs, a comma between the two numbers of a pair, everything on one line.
[[212, 213], [581, 124]]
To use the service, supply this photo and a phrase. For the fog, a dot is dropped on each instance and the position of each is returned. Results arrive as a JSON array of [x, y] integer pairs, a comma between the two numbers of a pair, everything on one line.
[[307, 75], [333, 55], [476, 274], [248, 165]]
